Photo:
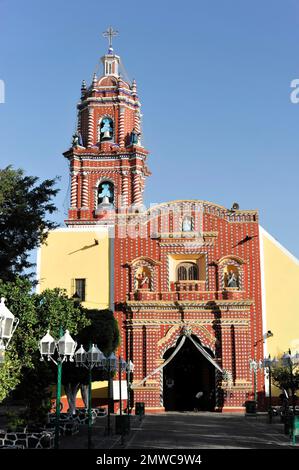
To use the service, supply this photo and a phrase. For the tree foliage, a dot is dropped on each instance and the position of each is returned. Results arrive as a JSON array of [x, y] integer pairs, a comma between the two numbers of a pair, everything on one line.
[[24, 207], [283, 378], [36, 313]]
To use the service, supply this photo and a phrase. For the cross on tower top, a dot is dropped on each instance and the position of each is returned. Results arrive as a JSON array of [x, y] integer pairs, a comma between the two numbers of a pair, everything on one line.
[[110, 33]]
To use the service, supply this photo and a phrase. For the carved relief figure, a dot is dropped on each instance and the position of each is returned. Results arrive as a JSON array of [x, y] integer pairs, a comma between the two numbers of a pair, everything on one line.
[[232, 279], [187, 224], [143, 279]]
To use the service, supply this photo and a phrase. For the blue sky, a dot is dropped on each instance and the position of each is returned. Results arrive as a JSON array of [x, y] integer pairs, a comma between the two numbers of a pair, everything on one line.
[[214, 80]]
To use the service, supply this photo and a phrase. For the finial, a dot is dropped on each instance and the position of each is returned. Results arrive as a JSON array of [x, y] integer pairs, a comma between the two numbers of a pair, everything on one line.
[[134, 87], [94, 80], [83, 88], [110, 33]]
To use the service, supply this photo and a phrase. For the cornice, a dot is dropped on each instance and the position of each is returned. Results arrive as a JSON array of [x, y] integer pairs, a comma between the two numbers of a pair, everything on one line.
[[156, 322], [176, 305]]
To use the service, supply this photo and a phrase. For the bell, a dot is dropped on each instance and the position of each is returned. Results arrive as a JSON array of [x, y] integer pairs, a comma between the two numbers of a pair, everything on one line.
[[106, 135], [105, 200]]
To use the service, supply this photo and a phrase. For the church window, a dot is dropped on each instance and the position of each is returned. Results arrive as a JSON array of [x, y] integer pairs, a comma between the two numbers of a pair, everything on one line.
[[187, 272], [80, 289], [182, 273]]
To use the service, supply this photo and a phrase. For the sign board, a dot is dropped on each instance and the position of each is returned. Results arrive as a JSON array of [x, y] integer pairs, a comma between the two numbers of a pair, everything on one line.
[[124, 390]]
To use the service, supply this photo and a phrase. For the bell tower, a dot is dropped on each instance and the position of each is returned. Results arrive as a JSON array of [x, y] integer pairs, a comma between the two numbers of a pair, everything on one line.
[[107, 159]]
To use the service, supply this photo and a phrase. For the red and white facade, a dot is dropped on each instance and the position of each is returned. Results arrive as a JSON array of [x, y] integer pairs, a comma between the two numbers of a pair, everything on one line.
[[186, 265]]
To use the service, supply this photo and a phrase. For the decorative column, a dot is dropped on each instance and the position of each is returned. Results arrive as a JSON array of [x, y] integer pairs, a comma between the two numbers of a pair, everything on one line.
[[74, 189], [84, 192], [137, 196], [125, 188], [121, 136], [79, 122], [90, 126], [137, 120]]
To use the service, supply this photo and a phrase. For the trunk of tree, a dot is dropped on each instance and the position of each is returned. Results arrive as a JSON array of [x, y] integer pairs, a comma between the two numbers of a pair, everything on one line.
[[84, 394], [71, 391]]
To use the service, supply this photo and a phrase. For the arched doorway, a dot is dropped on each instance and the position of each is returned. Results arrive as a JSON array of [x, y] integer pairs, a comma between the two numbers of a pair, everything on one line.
[[188, 373]]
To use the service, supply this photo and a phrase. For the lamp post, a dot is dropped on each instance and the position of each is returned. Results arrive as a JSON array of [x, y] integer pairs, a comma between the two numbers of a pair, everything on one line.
[[90, 359], [289, 360], [110, 365], [65, 348], [122, 366], [268, 363], [8, 325], [130, 369], [255, 366]]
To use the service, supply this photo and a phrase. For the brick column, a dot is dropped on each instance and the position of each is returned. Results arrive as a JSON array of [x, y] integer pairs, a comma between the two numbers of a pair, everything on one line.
[[84, 192], [137, 196], [90, 127], [74, 190], [125, 188], [121, 135]]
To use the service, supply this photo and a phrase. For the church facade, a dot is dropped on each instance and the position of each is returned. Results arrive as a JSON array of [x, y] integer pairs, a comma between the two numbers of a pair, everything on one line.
[[184, 277]]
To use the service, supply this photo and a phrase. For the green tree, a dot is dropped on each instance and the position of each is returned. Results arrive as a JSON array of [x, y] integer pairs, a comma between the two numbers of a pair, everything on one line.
[[24, 207], [284, 379], [36, 313]]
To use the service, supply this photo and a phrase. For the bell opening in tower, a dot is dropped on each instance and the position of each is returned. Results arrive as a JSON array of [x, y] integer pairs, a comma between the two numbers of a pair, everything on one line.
[[106, 193], [106, 129]]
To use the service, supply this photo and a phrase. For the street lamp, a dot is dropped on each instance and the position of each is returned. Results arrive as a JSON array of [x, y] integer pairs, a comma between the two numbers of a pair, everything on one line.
[[255, 366], [8, 325], [130, 369], [90, 359], [289, 360], [122, 366], [268, 363], [65, 348], [110, 364]]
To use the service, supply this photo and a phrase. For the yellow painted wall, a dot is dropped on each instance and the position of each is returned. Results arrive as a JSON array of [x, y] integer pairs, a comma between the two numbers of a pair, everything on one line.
[[281, 296], [72, 254]]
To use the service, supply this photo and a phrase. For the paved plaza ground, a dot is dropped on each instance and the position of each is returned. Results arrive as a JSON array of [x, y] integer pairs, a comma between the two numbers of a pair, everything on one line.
[[189, 431]]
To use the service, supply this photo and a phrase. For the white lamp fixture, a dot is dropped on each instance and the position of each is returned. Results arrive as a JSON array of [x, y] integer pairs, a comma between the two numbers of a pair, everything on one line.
[[2, 352], [286, 359], [80, 356], [295, 358], [66, 347], [130, 366], [95, 357], [122, 364], [111, 362], [8, 323], [47, 346]]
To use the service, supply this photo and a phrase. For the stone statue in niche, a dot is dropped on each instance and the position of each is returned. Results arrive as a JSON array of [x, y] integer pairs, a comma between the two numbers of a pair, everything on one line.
[[232, 279], [105, 195], [187, 224], [106, 129], [77, 140], [134, 138], [142, 280]]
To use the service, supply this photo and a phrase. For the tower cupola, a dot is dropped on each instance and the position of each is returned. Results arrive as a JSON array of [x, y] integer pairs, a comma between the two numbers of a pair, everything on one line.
[[110, 60]]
